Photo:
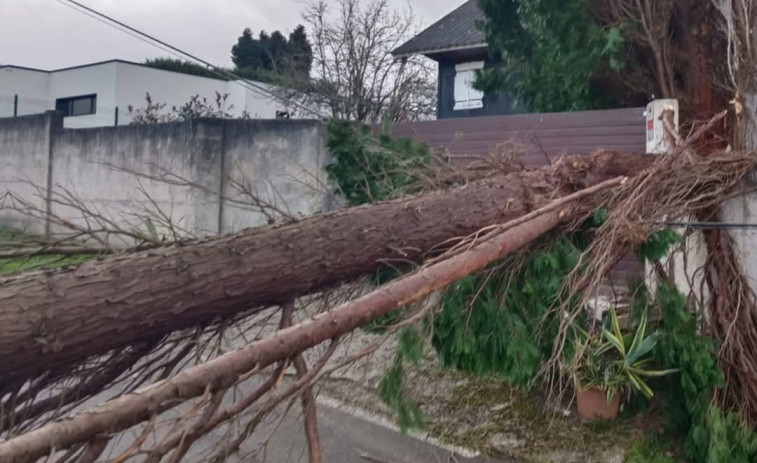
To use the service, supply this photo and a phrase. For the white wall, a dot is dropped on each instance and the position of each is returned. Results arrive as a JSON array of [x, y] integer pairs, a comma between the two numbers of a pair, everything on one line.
[[32, 88], [175, 89], [24, 82], [119, 85], [100, 80], [258, 104], [133, 82]]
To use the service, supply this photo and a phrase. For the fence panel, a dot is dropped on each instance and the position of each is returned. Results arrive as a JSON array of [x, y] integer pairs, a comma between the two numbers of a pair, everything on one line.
[[13, 105], [542, 137]]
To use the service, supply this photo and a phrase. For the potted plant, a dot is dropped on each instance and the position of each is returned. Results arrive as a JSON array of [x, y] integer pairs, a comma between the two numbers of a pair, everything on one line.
[[613, 363]]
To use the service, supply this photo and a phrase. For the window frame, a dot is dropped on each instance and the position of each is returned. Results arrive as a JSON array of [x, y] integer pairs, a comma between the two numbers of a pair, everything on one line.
[[463, 71], [66, 105]]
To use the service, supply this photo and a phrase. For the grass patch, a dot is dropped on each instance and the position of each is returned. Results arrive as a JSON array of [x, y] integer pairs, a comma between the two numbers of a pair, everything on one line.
[[653, 448], [12, 239], [28, 264]]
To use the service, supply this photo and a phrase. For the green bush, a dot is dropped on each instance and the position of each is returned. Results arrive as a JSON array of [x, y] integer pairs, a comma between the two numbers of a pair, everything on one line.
[[492, 324], [391, 387], [711, 434], [369, 168]]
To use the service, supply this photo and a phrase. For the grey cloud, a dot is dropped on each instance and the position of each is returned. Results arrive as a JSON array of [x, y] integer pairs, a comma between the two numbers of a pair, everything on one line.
[[46, 34]]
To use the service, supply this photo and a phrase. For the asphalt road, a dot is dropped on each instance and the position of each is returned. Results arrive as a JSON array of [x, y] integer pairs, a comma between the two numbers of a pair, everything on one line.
[[346, 438]]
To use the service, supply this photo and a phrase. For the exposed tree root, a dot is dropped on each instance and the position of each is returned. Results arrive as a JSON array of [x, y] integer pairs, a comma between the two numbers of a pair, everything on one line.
[[683, 184], [732, 315]]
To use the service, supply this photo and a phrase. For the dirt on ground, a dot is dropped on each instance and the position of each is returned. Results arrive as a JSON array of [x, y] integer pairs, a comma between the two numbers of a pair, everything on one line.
[[485, 414]]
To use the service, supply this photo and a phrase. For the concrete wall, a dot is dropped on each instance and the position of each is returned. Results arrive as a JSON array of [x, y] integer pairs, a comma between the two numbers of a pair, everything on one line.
[[84, 160], [214, 165], [272, 159], [25, 149]]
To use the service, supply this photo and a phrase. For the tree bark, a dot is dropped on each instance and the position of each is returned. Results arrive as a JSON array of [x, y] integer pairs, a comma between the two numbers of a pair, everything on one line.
[[217, 374], [58, 318]]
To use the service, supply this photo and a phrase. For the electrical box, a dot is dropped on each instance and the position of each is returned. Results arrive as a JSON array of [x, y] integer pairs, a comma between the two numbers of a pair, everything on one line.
[[658, 140]]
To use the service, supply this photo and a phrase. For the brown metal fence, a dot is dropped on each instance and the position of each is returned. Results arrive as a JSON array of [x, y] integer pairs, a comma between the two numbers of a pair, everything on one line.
[[542, 138]]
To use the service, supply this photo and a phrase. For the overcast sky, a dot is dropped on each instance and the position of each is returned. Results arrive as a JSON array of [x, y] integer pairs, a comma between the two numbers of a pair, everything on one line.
[[46, 34]]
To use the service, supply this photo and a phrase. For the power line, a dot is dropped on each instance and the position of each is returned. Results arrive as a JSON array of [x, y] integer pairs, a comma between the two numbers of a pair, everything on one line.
[[125, 31], [175, 51], [707, 225], [149, 39]]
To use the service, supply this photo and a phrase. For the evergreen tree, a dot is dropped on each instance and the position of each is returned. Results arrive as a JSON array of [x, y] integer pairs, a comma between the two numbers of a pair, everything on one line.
[[273, 57], [300, 52], [276, 50], [552, 52], [247, 53]]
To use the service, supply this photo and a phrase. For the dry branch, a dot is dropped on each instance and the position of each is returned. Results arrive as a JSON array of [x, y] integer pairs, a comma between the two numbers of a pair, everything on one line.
[[121, 413], [308, 398]]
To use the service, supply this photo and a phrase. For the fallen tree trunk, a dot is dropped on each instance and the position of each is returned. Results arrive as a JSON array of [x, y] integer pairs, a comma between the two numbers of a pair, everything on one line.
[[58, 318], [218, 374]]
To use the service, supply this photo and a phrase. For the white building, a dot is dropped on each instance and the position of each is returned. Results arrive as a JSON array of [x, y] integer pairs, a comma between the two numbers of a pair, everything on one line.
[[100, 94]]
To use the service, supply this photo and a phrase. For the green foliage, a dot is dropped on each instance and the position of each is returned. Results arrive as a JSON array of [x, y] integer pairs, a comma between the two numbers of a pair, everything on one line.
[[273, 54], [495, 323], [183, 66], [391, 388], [688, 394], [730, 440], [616, 361], [492, 324], [658, 245], [370, 168], [600, 216], [711, 434], [652, 449], [551, 51]]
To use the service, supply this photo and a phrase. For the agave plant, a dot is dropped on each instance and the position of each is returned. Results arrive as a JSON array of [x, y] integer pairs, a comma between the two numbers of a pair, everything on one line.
[[616, 361]]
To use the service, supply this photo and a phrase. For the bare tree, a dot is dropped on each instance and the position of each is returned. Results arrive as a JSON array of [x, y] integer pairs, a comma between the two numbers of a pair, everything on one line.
[[356, 76], [673, 52], [736, 22]]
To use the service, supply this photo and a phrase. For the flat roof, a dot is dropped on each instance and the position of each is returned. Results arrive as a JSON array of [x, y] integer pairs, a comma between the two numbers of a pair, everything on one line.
[[100, 63]]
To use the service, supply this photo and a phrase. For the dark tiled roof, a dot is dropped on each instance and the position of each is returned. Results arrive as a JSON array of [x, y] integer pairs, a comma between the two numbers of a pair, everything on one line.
[[456, 30]]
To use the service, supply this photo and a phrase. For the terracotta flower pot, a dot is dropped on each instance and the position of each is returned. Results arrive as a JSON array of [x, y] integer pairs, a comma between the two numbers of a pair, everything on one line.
[[592, 404]]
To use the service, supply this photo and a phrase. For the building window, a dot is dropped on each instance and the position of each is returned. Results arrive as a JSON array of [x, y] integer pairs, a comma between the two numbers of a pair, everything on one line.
[[467, 97], [77, 105]]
